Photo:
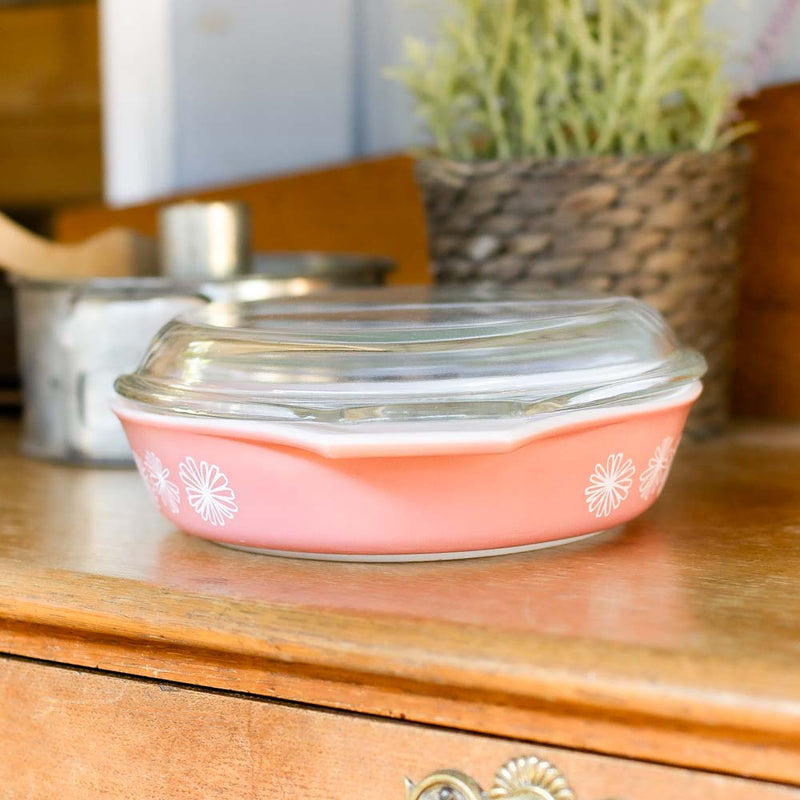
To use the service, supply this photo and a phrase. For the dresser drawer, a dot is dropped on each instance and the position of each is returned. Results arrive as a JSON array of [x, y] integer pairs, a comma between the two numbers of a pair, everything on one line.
[[75, 734]]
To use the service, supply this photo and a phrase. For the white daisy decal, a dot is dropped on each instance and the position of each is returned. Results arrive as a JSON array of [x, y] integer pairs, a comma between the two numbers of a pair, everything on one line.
[[143, 472], [157, 477], [208, 492], [609, 485], [654, 476]]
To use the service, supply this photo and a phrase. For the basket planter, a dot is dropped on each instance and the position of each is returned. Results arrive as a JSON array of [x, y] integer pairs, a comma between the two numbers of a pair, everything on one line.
[[661, 228]]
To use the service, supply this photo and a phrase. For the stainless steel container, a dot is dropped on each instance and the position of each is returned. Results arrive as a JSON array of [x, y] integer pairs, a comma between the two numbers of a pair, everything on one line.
[[204, 240], [75, 337]]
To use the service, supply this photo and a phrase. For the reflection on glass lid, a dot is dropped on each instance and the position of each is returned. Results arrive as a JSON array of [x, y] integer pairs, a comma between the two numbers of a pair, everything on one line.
[[410, 354]]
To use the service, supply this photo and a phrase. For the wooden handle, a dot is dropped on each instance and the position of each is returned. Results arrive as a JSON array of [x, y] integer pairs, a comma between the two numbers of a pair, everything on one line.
[[114, 253], [525, 778]]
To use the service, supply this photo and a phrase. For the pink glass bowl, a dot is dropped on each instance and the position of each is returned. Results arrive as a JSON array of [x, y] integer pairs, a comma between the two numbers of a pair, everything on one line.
[[251, 485]]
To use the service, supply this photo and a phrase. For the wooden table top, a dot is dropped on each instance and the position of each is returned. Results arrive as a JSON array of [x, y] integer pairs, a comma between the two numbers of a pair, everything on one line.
[[676, 640]]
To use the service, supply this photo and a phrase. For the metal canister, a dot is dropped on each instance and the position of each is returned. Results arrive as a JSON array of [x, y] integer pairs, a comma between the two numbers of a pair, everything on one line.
[[73, 337], [205, 240]]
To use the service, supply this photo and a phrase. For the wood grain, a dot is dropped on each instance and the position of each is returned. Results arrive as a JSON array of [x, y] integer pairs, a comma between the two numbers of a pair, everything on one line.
[[368, 207], [50, 139], [768, 366], [72, 734], [676, 641], [768, 371]]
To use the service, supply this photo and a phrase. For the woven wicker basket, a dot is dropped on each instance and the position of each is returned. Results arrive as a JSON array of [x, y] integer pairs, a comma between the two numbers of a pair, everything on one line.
[[662, 228]]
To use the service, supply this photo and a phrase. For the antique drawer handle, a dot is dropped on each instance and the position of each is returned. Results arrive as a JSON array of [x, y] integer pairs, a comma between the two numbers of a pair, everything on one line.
[[519, 779]]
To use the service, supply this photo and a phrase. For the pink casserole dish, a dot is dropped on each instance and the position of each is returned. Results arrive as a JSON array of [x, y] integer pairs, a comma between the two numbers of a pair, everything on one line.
[[402, 424]]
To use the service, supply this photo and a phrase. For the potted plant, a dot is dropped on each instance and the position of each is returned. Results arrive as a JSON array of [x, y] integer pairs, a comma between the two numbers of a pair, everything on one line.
[[589, 144]]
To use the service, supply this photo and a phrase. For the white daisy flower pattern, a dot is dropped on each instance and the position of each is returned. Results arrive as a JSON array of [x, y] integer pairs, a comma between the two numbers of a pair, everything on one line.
[[654, 476], [208, 492], [609, 484], [157, 477], [143, 472]]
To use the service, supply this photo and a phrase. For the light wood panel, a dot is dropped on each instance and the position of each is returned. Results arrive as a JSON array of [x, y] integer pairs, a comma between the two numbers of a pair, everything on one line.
[[75, 734], [677, 641], [50, 140]]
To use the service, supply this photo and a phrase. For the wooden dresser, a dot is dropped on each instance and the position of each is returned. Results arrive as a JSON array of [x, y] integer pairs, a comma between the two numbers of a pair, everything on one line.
[[658, 663]]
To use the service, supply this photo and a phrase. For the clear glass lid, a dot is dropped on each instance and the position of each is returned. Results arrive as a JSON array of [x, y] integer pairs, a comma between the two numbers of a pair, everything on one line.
[[360, 358]]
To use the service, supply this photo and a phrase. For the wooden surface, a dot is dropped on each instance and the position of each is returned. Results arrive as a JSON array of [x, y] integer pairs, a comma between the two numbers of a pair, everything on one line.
[[50, 140], [72, 735], [676, 641], [768, 361], [368, 207]]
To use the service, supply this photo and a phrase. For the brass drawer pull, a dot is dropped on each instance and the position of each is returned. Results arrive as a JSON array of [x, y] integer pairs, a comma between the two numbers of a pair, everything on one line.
[[519, 779]]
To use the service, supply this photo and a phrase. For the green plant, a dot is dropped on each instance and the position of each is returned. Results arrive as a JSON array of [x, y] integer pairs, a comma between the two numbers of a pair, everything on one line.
[[515, 78]]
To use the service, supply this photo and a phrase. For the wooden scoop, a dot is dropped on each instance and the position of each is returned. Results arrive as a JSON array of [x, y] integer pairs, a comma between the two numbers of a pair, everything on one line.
[[113, 253]]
